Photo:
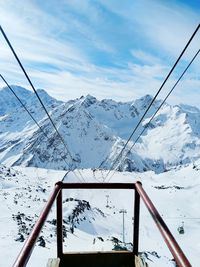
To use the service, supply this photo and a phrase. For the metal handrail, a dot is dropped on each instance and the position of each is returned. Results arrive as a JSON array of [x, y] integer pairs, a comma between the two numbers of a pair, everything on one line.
[[27, 249], [173, 246], [95, 186]]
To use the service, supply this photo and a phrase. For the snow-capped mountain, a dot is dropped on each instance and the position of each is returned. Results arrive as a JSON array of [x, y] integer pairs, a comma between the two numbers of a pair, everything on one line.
[[9, 103], [173, 138], [94, 132]]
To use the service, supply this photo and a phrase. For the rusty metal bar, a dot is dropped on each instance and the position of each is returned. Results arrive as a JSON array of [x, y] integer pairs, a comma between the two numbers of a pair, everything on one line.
[[26, 251], [97, 185], [59, 226], [173, 246], [136, 223]]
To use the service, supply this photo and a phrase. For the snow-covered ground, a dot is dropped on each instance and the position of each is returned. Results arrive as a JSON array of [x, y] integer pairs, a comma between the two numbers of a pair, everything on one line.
[[91, 224]]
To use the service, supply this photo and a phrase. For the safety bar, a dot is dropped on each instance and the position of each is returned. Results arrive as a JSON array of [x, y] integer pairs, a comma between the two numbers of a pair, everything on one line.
[[173, 246], [94, 186], [26, 251]]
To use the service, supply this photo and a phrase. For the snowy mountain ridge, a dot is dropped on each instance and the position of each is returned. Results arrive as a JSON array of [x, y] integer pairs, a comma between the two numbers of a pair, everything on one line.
[[95, 131]]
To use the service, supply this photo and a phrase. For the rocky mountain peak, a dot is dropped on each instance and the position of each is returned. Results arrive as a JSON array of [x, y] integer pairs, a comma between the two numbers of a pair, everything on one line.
[[95, 131]]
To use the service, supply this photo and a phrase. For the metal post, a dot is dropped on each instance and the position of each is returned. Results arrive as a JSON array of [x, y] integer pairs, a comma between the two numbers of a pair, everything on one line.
[[136, 223], [107, 205], [27, 249], [123, 211], [59, 226], [123, 229], [173, 246]]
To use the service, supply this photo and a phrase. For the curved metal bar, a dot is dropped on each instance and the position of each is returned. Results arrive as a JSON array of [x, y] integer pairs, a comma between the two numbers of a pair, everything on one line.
[[26, 251], [173, 246]]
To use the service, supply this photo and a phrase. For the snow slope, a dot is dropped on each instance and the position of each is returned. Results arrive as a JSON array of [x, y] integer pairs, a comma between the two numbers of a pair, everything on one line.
[[91, 224]]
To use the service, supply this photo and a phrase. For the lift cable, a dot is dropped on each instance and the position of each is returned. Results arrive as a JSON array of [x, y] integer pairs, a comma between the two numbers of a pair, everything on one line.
[[32, 86], [153, 116], [41, 129], [152, 101]]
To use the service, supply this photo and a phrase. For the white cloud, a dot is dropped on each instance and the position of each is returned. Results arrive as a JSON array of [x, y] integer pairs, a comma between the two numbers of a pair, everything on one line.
[[65, 70], [165, 25], [145, 57], [146, 71]]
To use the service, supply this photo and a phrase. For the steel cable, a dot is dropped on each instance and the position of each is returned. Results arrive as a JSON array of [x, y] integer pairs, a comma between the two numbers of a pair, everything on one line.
[[152, 101], [32, 86], [20, 101], [158, 109]]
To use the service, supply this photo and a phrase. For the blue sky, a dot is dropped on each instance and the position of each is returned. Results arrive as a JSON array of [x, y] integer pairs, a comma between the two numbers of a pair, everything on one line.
[[107, 48]]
